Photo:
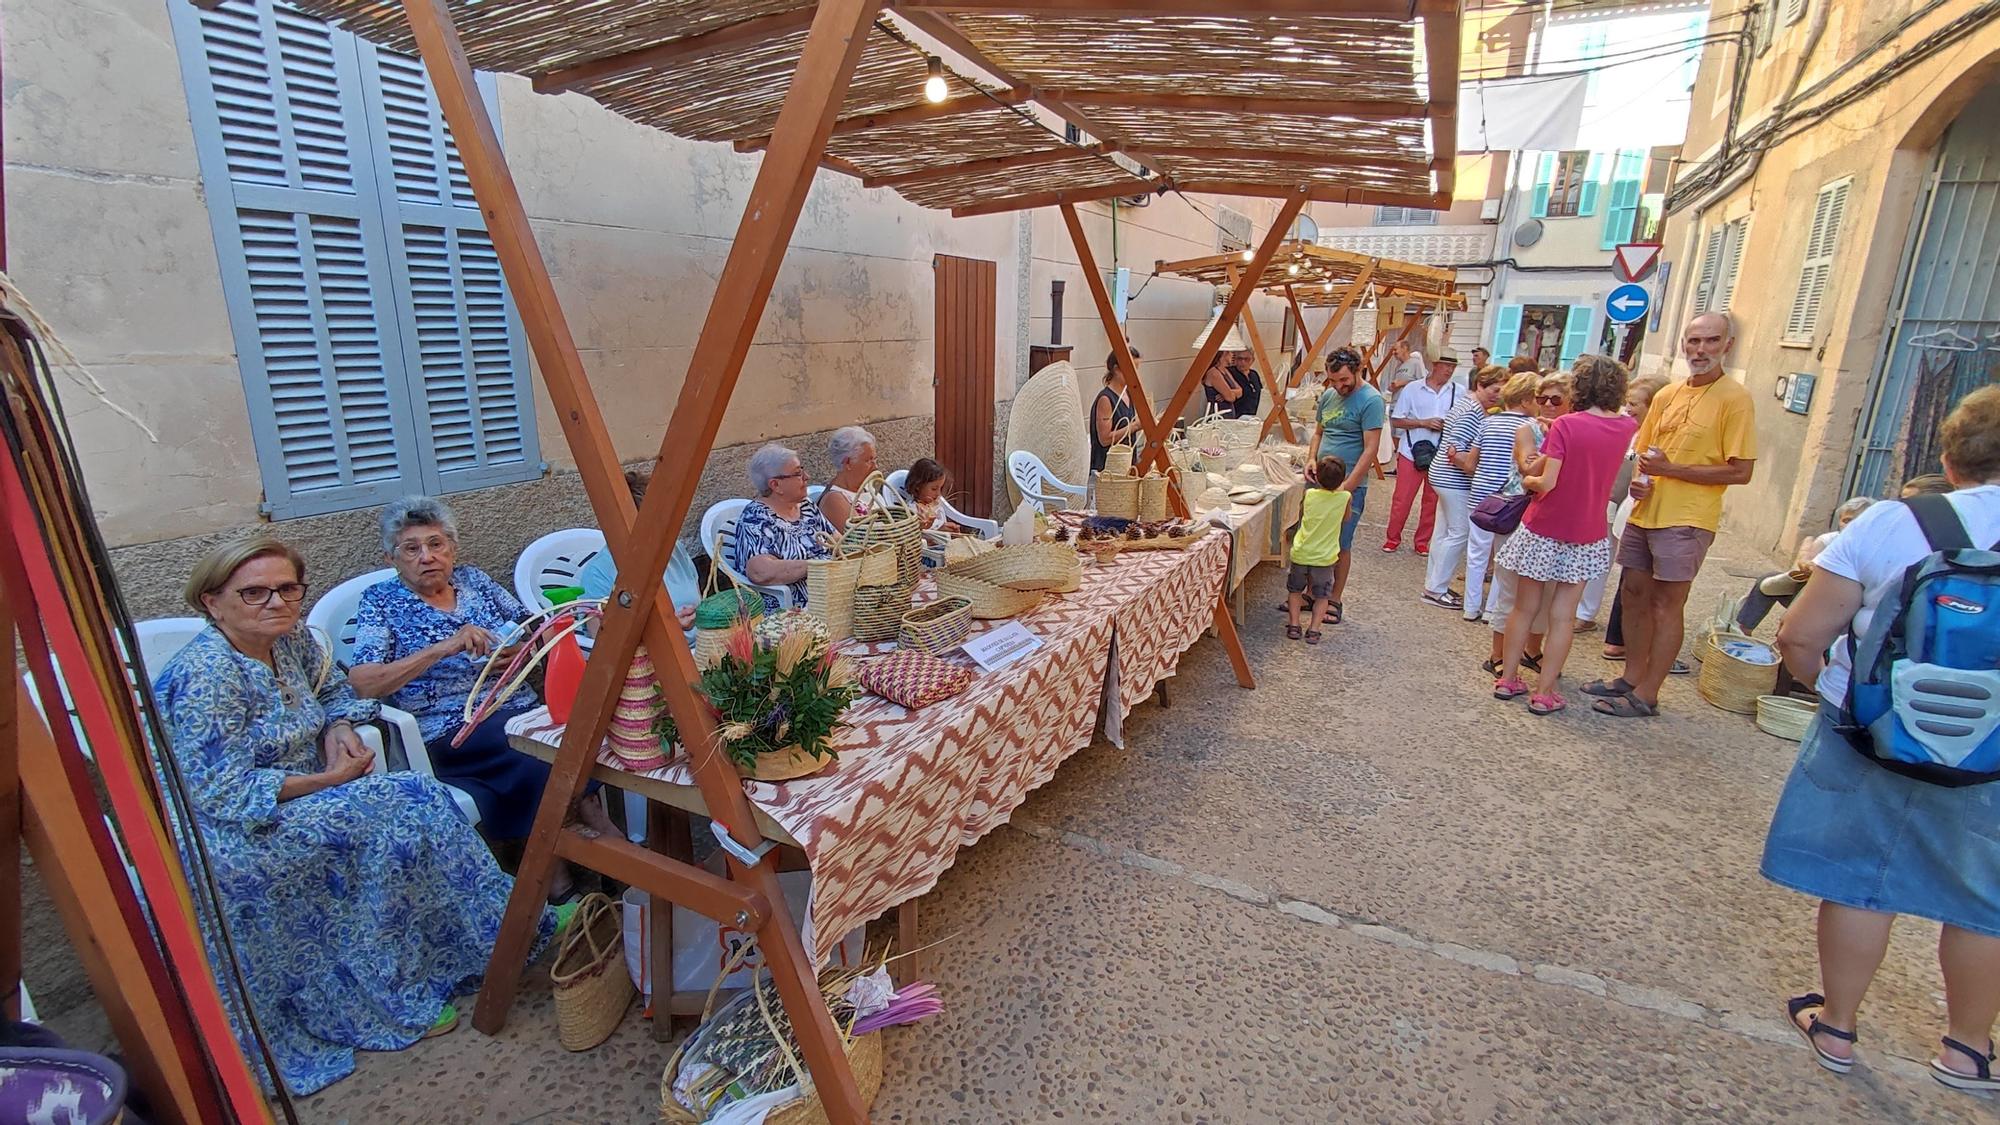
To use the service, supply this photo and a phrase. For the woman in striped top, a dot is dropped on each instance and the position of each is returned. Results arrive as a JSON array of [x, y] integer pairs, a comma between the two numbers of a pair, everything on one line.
[[1452, 483], [1490, 464]]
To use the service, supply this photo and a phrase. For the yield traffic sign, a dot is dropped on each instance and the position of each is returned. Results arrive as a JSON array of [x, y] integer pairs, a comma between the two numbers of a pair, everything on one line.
[[1634, 261], [1627, 303]]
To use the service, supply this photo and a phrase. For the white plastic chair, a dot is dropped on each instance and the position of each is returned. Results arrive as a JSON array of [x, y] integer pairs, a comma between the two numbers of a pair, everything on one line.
[[814, 492], [1038, 485], [984, 528], [718, 534], [556, 559], [333, 615]]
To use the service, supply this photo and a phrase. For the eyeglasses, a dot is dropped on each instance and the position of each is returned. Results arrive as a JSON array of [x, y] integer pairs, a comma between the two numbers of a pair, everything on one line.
[[800, 475], [293, 592], [414, 549], [1550, 400]]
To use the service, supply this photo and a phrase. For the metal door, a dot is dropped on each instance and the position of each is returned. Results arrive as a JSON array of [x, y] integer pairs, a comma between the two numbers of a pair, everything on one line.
[[1944, 342]]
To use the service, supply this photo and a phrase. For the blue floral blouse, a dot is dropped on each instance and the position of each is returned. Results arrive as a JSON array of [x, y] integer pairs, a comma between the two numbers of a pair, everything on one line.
[[394, 622], [761, 531], [356, 911]]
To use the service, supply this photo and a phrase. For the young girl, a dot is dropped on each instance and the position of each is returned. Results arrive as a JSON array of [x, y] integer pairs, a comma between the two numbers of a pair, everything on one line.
[[1317, 547], [925, 484]]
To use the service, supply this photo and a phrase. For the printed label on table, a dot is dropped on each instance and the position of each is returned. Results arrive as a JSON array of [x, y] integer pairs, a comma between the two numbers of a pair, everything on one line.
[[1002, 645]]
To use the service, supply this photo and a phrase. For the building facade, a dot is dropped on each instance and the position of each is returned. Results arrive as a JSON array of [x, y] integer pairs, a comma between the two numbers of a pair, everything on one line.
[[254, 232], [1841, 201]]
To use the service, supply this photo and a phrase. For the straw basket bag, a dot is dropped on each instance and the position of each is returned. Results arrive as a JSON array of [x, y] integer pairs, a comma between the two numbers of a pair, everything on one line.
[[1118, 460], [1785, 716], [886, 521], [1030, 566], [1730, 682], [830, 584], [879, 610], [1118, 496], [1152, 498], [989, 601], [936, 628], [592, 988], [878, 565], [719, 611]]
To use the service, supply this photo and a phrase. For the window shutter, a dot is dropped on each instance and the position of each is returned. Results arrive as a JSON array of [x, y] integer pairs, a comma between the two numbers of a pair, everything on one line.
[[1593, 173], [1506, 332], [1623, 214], [1817, 270], [1711, 263], [1795, 11], [304, 265], [1576, 333], [1738, 233], [1545, 171], [466, 357]]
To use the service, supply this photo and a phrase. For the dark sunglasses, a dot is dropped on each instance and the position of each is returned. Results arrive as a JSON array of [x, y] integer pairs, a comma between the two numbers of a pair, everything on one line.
[[293, 592], [1550, 400]]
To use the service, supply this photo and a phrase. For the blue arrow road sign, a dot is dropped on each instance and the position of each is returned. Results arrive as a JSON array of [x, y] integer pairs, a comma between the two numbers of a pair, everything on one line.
[[1627, 303]]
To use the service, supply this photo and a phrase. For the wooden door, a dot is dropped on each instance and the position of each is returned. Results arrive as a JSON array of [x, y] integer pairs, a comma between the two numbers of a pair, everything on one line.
[[962, 377]]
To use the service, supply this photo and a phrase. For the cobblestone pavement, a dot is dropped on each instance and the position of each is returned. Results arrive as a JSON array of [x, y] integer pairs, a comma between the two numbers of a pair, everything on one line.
[[1364, 892]]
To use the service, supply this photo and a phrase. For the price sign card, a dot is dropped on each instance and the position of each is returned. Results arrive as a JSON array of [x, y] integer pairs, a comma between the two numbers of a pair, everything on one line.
[[998, 647]]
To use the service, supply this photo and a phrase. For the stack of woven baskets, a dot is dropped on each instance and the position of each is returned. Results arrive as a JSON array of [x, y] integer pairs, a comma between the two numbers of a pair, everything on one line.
[[888, 535], [1011, 580]]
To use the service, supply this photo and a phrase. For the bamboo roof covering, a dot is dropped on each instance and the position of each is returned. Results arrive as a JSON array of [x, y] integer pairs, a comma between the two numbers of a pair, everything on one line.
[[1340, 99], [1325, 275]]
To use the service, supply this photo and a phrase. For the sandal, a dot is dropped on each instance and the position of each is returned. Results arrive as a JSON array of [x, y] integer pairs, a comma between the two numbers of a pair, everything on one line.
[[1313, 636], [1546, 704], [446, 1021], [1334, 614], [1978, 1082], [1531, 663], [1608, 689], [1681, 668], [1292, 632], [1586, 626], [1609, 655], [1799, 1004], [1509, 689], [1491, 668], [1626, 707]]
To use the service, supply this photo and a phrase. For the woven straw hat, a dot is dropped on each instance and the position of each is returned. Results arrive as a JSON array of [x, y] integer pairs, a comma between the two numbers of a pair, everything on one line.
[[1232, 342], [1047, 421]]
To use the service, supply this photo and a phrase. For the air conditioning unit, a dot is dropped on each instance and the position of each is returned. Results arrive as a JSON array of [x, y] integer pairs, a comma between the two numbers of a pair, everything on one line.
[[1489, 210], [1141, 200]]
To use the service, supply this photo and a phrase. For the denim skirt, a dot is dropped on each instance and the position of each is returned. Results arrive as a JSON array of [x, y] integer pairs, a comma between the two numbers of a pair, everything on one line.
[[1848, 831]]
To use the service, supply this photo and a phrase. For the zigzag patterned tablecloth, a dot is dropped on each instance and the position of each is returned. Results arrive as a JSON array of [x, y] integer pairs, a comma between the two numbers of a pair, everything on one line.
[[912, 787]]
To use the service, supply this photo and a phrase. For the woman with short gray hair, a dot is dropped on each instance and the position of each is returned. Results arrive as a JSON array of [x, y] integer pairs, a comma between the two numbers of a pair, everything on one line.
[[420, 640], [781, 529], [852, 451]]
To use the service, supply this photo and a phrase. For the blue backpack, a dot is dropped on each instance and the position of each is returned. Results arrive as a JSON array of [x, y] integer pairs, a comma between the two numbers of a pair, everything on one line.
[[1924, 694]]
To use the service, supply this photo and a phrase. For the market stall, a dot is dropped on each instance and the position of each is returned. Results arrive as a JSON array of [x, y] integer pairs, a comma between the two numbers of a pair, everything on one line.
[[840, 85]]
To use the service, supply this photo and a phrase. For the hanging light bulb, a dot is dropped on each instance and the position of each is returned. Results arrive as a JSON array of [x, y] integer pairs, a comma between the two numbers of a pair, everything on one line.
[[1293, 269], [1327, 285], [934, 87], [1247, 255]]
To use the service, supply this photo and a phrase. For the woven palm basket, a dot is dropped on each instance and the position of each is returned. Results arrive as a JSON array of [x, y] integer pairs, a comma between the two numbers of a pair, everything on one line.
[[592, 988], [1030, 566], [1046, 420], [989, 600]]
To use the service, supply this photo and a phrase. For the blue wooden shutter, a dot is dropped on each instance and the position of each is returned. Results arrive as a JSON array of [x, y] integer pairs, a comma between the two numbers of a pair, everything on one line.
[[1506, 332], [462, 344], [1593, 175], [1576, 333], [1623, 214], [1545, 173], [277, 106]]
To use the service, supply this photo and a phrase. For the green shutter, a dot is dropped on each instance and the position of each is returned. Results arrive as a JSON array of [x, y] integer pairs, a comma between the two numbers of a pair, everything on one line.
[[1545, 171], [1576, 333], [1593, 175], [1626, 185], [1506, 332]]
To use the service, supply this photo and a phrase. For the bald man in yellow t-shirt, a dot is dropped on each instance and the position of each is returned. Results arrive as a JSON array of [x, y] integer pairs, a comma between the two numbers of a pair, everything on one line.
[[1699, 438]]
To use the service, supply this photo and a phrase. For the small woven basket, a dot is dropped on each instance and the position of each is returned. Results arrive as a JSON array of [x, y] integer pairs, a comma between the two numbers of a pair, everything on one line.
[[1030, 566], [1152, 498], [879, 610], [830, 585], [1118, 496], [719, 611], [1785, 716], [592, 988], [1118, 460], [783, 764], [936, 628], [989, 600], [1731, 683]]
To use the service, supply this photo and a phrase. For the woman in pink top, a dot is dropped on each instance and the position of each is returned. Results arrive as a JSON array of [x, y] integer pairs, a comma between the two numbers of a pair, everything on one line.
[[1564, 540]]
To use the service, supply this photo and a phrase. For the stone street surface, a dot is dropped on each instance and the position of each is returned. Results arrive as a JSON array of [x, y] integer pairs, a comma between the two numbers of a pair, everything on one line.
[[1364, 892]]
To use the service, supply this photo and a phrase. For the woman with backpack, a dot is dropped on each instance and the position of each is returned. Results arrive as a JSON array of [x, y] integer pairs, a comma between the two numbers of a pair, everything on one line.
[[1877, 818]]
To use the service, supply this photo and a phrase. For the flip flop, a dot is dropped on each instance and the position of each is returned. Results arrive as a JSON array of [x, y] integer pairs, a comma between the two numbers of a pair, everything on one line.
[[1625, 707], [1292, 632], [1681, 668], [1980, 1082], [1609, 655], [1608, 689], [1798, 1005], [1546, 704], [446, 1021]]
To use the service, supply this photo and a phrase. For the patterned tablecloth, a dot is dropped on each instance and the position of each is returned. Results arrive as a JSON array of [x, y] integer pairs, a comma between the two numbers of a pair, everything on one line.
[[912, 787], [1259, 529]]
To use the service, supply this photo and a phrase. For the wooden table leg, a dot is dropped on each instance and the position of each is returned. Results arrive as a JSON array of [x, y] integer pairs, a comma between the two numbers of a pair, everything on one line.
[[907, 941], [670, 832]]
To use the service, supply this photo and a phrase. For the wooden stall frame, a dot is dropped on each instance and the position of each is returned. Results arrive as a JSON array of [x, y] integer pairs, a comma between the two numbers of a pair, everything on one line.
[[1263, 355], [1316, 348]]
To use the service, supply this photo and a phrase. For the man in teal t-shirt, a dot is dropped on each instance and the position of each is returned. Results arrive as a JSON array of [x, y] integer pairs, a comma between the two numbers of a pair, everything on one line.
[[1350, 419]]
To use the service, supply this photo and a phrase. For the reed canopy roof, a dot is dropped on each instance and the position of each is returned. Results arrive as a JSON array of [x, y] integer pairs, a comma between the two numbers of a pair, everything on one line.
[[1347, 100], [1322, 275]]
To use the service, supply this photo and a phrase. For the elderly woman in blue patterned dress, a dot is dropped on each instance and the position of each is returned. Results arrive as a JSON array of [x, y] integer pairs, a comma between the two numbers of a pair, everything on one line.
[[359, 903], [420, 639], [781, 529]]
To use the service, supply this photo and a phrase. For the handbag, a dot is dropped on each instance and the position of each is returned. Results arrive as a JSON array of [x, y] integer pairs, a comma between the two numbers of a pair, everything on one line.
[[1501, 514], [914, 679], [1422, 452]]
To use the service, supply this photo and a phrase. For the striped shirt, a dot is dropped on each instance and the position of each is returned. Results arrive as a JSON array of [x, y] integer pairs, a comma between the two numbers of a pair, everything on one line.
[[1461, 432], [1496, 453]]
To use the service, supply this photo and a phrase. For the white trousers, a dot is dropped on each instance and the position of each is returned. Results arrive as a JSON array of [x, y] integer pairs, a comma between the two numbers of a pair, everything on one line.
[[1480, 547], [1448, 544]]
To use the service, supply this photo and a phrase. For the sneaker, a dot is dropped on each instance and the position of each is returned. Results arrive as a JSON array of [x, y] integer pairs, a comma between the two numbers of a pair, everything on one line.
[[1446, 600]]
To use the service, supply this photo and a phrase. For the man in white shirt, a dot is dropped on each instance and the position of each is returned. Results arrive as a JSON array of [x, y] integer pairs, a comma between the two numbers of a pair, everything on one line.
[[1418, 423]]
